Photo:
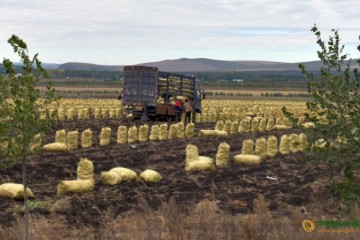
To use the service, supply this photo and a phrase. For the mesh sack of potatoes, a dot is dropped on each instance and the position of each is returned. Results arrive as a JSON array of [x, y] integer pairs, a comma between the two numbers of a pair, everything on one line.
[[36, 142], [219, 125], [287, 122], [180, 130], [60, 136], [163, 132], [86, 138], [260, 147], [234, 127], [105, 136], [308, 125], [85, 169], [53, 113], [246, 159], [294, 143], [301, 120], [86, 113], [55, 147], [81, 114], [154, 133], [118, 112], [280, 127], [284, 147], [302, 141], [112, 113], [61, 114], [221, 116], [129, 116], [126, 174], [104, 113], [197, 117], [181, 98], [117, 175], [220, 133], [206, 133], [212, 133], [72, 139], [75, 186], [110, 178], [122, 135], [270, 124], [204, 117], [14, 191], [202, 164], [173, 131], [143, 133], [262, 125], [245, 125], [160, 100], [222, 155], [227, 126], [247, 147], [132, 134], [255, 125], [190, 130], [97, 113], [70, 114], [271, 146], [192, 154], [279, 121], [214, 116], [209, 117], [43, 114], [150, 176]]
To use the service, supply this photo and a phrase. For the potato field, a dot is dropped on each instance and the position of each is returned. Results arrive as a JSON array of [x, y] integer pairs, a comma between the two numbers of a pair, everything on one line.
[[281, 175]]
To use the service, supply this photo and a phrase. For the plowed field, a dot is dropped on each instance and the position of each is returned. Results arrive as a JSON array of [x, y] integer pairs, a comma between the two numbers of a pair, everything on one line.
[[284, 180]]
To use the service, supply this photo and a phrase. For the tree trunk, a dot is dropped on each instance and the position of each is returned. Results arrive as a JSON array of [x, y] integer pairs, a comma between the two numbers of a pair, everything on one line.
[[26, 204]]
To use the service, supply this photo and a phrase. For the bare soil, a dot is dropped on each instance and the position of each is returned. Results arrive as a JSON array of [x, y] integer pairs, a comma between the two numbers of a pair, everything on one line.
[[293, 182]]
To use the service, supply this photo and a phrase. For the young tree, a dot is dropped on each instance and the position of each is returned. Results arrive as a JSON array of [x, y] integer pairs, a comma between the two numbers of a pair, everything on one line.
[[20, 107], [335, 110]]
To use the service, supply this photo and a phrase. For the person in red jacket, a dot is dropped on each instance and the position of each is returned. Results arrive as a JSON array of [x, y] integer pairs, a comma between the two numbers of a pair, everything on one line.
[[178, 110]]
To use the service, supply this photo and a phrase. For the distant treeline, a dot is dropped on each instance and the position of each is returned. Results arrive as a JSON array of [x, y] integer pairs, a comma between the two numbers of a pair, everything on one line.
[[274, 80], [253, 76]]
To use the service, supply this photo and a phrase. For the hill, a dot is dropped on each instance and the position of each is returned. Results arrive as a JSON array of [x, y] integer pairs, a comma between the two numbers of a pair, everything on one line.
[[197, 65]]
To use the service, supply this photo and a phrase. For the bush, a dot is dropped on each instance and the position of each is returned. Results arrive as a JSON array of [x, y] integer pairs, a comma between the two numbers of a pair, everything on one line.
[[335, 110]]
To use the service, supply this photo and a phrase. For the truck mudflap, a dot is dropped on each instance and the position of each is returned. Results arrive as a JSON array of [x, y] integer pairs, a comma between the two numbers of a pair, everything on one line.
[[161, 110], [164, 110], [138, 107]]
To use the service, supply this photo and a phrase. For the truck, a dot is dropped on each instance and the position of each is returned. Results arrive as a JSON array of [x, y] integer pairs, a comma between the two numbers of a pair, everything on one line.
[[151, 94]]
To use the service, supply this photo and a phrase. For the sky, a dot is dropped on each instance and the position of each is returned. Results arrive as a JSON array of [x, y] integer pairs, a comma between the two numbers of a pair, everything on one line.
[[124, 32]]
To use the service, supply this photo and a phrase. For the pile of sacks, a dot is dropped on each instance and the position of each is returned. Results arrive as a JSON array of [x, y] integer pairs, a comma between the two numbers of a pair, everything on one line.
[[194, 162], [14, 191], [85, 179], [120, 174]]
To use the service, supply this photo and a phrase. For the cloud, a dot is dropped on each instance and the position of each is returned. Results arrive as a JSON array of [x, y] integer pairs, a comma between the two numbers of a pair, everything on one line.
[[229, 29]]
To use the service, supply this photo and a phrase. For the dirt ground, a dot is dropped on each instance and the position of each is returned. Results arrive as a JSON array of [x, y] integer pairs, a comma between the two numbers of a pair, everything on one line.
[[293, 182]]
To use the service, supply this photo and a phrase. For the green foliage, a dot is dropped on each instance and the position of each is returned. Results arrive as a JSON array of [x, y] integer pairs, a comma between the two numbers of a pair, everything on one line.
[[20, 108], [335, 110], [21, 104]]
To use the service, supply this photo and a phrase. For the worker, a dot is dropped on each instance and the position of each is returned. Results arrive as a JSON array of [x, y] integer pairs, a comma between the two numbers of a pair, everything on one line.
[[188, 110], [178, 110]]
